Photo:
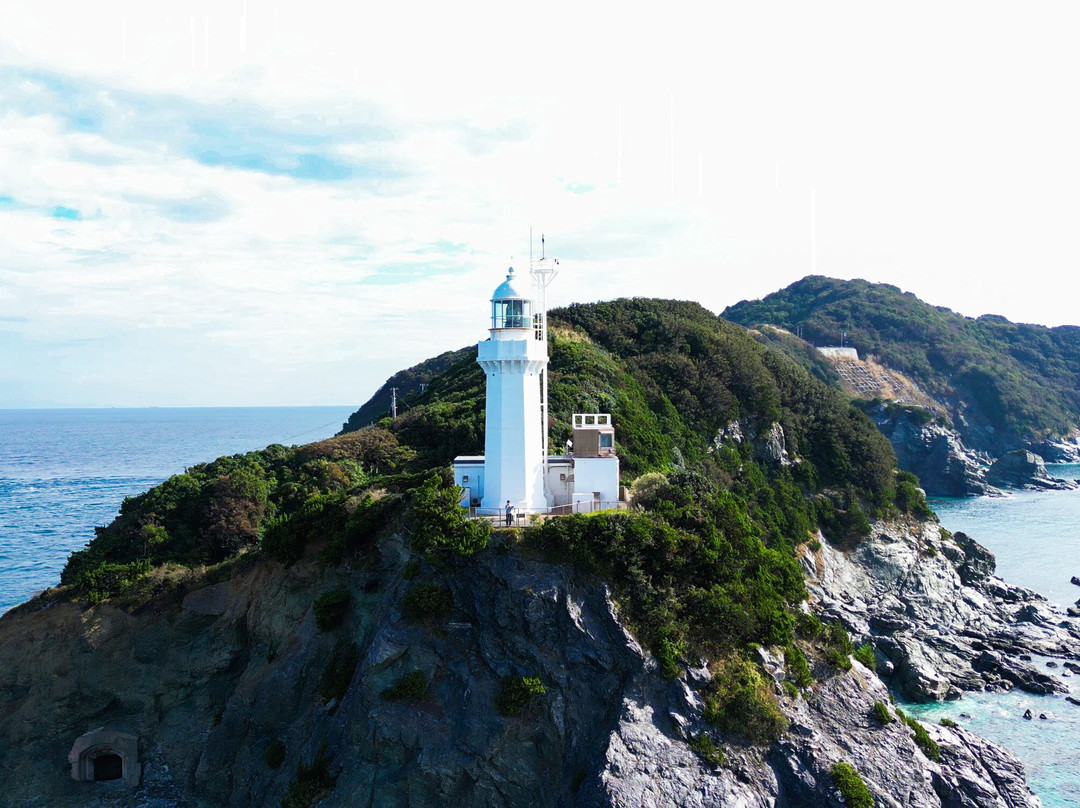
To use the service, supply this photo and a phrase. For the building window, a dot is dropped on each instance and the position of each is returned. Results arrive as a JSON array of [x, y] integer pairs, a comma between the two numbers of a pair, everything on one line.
[[606, 440]]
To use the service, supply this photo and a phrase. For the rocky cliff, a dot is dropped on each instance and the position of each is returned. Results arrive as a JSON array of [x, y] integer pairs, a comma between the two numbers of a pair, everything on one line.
[[940, 621], [932, 451], [212, 681]]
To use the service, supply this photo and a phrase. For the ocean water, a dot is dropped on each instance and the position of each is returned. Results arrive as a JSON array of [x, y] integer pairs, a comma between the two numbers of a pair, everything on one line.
[[64, 471], [1035, 537]]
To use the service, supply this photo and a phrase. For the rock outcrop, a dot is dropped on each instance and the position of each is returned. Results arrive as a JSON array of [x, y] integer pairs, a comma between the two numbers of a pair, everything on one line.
[[933, 452], [931, 606], [1025, 470], [1066, 450], [211, 682]]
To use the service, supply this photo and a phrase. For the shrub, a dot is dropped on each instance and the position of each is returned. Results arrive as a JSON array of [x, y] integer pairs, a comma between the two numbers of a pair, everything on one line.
[[311, 783], [881, 712], [851, 786], [741, 702], [838, 647], [865, 654], [410, 687], [808, 626], [105, 581], [704, 746], [330, 608], [923, 740], [274, 754], [948, 722], [426, 601], [440, 524], [798, 670], [338, 673], [516, 692]]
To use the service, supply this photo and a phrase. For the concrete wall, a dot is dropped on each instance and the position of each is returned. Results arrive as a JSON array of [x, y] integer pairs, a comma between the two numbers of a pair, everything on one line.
[[597, 474]]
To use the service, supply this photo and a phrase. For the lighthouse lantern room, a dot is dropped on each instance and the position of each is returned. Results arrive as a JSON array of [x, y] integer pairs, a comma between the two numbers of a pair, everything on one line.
[[515, 467]]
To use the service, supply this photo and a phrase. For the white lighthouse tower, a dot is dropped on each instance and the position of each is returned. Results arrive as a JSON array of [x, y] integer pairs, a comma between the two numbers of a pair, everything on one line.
[[516, 466], [514, 358]]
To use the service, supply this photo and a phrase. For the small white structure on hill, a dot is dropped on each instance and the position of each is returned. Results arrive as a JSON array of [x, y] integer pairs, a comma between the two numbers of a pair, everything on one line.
[[516, 466], [836, 352]]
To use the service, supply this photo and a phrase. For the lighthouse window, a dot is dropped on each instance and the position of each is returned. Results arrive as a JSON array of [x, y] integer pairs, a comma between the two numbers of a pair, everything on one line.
[[606, 440], [511, 314]]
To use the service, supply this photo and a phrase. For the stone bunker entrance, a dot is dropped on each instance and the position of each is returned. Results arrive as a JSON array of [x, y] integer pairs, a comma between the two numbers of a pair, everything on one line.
[[106, 756], [108, 766]]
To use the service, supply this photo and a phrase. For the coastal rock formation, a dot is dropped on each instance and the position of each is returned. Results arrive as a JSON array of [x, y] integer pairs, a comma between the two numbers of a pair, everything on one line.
[[212, 681], [1066, 450], [930, 604], [1026, 470], [933, 452]]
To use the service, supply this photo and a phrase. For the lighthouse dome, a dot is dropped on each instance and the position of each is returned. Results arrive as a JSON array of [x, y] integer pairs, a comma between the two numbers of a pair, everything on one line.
[[511, 304], [511, 288]]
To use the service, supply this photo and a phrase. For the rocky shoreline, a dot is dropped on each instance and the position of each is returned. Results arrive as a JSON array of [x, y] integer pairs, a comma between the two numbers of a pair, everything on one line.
[[939, 620]]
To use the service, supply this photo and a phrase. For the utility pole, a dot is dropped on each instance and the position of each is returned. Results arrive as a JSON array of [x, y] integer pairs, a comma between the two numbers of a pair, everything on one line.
[[393, 402]]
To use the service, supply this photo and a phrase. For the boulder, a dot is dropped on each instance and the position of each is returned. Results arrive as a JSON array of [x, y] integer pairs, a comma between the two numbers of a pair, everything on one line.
[[1025, 470]]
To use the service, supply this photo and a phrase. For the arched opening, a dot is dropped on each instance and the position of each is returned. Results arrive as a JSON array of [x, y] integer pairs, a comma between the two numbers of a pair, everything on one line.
[[109, 766]]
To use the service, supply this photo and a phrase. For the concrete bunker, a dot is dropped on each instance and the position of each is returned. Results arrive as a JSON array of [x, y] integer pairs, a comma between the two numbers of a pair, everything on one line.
[[106, 756]]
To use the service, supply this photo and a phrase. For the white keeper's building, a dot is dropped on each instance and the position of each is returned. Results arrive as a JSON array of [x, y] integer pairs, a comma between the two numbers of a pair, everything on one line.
[[516, 465]]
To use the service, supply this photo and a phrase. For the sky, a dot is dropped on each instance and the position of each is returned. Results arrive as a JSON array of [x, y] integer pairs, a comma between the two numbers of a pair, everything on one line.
[[283, 203]]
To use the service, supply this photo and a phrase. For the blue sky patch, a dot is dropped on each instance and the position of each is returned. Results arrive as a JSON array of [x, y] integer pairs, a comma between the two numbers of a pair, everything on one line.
[[62, 212]]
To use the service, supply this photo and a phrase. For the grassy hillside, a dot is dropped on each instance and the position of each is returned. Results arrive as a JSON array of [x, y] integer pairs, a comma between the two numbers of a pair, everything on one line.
[[1002, 382]]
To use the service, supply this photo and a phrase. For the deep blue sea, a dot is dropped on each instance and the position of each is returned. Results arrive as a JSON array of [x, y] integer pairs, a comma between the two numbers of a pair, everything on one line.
[[64, 471]]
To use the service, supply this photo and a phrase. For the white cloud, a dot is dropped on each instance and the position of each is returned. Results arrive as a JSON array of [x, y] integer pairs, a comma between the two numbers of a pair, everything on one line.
[[246, 202]]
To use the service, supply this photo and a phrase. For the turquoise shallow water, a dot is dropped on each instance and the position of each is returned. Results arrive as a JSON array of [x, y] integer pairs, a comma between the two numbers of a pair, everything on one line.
[[1036, 540], [64, 471]]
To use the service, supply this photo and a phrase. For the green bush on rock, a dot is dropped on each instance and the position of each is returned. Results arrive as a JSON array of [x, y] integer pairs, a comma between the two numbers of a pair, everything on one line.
[[851, 786], [330, 608], [517, 692], [740, 702]]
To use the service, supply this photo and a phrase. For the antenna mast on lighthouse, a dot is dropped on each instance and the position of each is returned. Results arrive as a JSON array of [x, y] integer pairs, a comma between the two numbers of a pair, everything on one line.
[[543, 272]]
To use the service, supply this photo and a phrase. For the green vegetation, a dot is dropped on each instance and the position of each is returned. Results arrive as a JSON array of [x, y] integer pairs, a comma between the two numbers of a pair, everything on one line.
[[865, 654], [923, 740], [426, 602], [798, 670], [274, 754], [880, 711], [838, 647], [516, 693], [709, 751], [409, 687], [739, 700], [948, 722], [439, 524], [338, 673], [311, 783], [279, 498], [330, 608], [1021, 380], [851, 786]]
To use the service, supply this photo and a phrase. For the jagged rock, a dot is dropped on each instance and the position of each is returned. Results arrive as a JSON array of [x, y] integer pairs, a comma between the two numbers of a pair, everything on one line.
[[933, 452], [772, 447], [977, 563], [1023, 469], [1066, 450], [942, 619]]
